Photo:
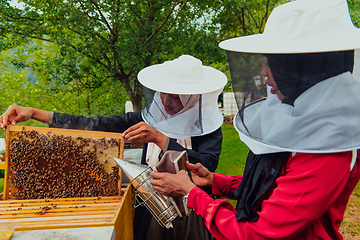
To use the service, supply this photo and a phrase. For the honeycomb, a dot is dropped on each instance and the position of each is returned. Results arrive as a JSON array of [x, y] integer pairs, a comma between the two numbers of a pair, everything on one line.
[[49, 165]]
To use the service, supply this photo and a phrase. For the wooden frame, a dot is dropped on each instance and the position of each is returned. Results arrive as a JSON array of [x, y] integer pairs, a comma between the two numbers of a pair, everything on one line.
[[41, 214], [58, 131]]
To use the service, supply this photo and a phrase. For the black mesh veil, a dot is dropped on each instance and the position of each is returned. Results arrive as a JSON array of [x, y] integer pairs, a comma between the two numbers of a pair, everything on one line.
[[248, 84], [279, 97]]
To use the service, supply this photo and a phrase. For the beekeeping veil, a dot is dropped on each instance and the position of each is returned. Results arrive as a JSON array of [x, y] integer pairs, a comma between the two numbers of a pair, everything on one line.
[[198, 88], [311, 49]]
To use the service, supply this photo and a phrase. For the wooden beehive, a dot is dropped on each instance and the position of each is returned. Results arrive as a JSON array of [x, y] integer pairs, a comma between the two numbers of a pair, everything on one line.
[[61, 178], [44, 214]]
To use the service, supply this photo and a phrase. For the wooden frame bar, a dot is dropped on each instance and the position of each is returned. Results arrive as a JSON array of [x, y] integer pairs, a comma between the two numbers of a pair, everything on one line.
[[41, 214]]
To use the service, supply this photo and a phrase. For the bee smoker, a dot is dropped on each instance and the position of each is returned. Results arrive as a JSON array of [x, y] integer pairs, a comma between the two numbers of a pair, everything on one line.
[[159, 205]]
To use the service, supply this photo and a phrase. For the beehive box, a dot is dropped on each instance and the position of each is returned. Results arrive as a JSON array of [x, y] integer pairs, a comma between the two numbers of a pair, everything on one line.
[[45, 214], [61, 178]]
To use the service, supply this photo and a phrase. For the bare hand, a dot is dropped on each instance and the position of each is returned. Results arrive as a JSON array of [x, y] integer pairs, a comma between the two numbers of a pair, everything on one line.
[[173, 185], [15, 114], [142, 132], [200, 175]]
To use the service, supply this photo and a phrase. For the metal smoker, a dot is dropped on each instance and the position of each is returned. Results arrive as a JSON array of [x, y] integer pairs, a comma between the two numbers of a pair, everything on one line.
[[159, 205]]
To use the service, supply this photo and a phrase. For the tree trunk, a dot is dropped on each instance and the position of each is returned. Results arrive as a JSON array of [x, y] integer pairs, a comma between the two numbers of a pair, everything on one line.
[[137, 103], [135, 94]]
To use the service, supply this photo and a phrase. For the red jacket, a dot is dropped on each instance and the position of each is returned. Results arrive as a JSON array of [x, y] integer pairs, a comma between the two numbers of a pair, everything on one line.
[[307, 201]]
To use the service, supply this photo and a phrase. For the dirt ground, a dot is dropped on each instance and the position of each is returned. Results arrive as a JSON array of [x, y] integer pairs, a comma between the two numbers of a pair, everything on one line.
[[350, 227]]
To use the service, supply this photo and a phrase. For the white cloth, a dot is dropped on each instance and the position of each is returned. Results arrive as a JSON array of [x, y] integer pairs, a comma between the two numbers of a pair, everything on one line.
[[195, 121]]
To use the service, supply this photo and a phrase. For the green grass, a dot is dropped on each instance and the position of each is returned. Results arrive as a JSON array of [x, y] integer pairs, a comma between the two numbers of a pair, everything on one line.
[[357, 190], [233, 153], [2, 180], [1, 185]]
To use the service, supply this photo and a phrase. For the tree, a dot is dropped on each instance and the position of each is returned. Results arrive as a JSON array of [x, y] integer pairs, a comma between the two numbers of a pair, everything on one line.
[[101, 41], [72, 97], [16, 89], [240, 18]]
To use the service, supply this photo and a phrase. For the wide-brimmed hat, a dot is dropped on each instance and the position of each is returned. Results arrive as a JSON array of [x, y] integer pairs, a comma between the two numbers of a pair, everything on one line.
[[184, 75], [302, 26]]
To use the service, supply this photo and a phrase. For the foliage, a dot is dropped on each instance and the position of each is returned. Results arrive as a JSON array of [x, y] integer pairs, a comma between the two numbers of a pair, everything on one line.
[[85, 48], [1, 185], [354, 9], [17, 90], [106, 41], [224, 67], [241, 18]]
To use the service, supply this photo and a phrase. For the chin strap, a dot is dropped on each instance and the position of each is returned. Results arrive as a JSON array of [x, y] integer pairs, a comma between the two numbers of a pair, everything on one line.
[[353, 160]]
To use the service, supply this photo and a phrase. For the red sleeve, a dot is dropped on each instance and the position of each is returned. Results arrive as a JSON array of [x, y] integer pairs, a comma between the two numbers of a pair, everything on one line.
[[224, 185], [304, 192]]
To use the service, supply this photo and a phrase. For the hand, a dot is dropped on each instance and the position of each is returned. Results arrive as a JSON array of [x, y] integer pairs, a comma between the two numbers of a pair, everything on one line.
[[142, 132], [200, 175], [173, 185], [15, 114]]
